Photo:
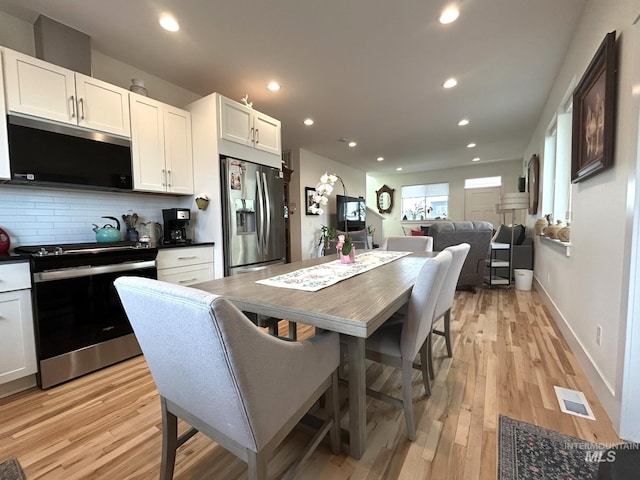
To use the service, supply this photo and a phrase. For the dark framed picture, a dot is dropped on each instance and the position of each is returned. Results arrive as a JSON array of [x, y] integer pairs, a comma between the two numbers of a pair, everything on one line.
[[533, 183], [309, 193], [594, 114]]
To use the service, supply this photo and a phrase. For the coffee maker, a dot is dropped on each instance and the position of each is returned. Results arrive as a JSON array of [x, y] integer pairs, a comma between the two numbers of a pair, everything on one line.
[[175, 225]]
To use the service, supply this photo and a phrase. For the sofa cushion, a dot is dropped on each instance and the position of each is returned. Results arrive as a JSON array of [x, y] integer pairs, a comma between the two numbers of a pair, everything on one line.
[[503, 235]]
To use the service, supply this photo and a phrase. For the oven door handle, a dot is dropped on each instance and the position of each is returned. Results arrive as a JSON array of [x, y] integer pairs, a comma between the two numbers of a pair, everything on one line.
[[86, 271]]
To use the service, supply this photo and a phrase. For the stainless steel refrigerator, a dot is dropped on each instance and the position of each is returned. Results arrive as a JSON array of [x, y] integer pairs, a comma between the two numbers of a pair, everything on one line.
[[253, 215]]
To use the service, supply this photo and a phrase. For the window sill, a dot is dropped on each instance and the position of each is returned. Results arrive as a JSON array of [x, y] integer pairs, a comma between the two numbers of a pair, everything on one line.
[[562, 246]]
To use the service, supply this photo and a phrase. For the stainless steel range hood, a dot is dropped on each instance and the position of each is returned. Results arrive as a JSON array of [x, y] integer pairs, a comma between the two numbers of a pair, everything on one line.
[[62, 45]]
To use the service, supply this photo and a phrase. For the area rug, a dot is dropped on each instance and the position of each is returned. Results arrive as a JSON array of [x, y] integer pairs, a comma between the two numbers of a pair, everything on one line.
[[529, 452], [11, 470]]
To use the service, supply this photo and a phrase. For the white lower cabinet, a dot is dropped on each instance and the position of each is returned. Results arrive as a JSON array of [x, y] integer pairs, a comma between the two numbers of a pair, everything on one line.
[[185, 265], [17, 340]]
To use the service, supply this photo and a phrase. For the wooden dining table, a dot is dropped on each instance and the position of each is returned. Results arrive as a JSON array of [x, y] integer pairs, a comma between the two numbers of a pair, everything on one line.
[[354, 308]]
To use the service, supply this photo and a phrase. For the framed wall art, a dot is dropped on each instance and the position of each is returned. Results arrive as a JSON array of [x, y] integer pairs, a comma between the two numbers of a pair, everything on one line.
[[533, 183], [594, 114], [309, 193]]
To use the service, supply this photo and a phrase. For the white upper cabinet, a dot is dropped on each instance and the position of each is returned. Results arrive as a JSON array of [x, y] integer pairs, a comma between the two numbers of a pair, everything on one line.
[[267, 133], [5, 169], [102, 106], [161, 147], [41, 89], [243, 125]]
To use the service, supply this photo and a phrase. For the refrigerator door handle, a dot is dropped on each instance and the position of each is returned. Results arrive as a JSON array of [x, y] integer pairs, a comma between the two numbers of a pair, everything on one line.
[[260, 225], [267, 209]]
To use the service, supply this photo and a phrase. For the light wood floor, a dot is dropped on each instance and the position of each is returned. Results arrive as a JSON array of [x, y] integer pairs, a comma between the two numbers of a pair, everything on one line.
[[508, 355]]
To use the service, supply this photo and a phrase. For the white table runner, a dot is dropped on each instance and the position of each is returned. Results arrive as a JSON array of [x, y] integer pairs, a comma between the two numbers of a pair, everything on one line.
[[318, 277]]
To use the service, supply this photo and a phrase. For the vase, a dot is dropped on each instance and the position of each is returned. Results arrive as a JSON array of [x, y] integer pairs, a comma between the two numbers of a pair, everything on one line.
[[132, 235], [564, 234], [349, 258], [137, 86], [552, 230], [541, 223]]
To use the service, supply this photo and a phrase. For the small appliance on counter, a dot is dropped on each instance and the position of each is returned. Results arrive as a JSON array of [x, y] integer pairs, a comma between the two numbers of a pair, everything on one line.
[[175, 225], [5, 242]]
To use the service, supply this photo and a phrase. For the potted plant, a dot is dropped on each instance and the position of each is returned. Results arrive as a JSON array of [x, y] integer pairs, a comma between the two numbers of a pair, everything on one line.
[[346, 252], [370, 230], [327, 234]]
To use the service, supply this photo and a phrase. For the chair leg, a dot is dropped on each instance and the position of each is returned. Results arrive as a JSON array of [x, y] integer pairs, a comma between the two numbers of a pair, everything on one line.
[[257, 464], [429, 343], [447, 332], [407, 369], [293, 331], [169, 441], [424, 362]]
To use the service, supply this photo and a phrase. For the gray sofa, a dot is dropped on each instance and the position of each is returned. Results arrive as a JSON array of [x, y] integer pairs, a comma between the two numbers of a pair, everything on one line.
[[476, 234]]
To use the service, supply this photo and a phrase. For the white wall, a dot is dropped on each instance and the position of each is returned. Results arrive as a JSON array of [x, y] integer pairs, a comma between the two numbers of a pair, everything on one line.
[[310, 166], [18, 35], [590, 287], [509, 170]]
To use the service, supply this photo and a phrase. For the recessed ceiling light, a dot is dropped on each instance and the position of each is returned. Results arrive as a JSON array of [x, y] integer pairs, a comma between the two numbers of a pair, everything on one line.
[[273, 86], [352, 144], [450, 83], [169, 23], [399, 168], [471, 145], [449, 15], [380, 159], [463, 122], [308, 122], [477, 159]]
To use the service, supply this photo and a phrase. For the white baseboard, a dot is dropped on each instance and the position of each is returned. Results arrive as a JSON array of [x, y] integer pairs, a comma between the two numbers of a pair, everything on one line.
[[605, 392]]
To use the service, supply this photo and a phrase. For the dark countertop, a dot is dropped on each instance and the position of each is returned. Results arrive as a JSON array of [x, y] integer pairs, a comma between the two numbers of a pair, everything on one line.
[[185, 245], [14, 258]]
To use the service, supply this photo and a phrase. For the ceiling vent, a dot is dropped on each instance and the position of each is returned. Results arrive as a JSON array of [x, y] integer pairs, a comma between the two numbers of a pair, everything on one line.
[[62, 45]]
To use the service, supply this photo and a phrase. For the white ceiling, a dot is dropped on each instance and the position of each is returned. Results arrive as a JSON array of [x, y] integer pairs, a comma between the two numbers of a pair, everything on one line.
[[364, 70]]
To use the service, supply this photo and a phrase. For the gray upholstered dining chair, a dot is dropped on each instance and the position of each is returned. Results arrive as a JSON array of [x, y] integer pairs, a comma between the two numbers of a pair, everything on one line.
[[214, 369], [408, 244], [397, 344], [359, 239], [445, 299]]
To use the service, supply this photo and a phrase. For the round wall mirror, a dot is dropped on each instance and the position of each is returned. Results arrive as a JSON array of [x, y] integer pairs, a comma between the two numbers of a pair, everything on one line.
[[384, 199]]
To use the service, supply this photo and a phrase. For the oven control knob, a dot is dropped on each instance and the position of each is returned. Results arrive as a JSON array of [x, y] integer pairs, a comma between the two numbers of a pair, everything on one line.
[[58, 251], [42, 252]]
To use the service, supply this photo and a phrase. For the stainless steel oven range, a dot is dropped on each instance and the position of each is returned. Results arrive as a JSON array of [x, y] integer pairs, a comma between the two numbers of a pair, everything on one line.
[[79, 321]]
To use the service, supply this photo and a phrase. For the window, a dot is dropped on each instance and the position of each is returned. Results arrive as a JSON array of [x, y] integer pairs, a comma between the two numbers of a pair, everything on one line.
[[420, 202], [556, 183], [483, 182]]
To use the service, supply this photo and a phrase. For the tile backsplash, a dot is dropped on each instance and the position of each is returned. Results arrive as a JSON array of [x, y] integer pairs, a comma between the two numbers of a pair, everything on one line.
[[33, 216]]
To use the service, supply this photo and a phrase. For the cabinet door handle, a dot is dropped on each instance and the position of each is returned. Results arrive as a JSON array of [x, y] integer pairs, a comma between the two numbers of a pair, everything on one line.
[[73, 106], [187, 258], [164, 177], [252, 135], [188, 281], [257, 136], [81, 108], [168, 178]]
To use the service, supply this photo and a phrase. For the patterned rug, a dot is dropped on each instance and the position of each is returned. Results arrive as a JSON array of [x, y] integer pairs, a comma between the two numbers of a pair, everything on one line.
[[11, 470], [528, 452]]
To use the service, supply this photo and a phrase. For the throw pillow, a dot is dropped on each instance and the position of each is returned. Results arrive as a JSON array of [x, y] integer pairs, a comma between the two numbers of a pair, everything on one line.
[[417, 233], [503, 235]]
